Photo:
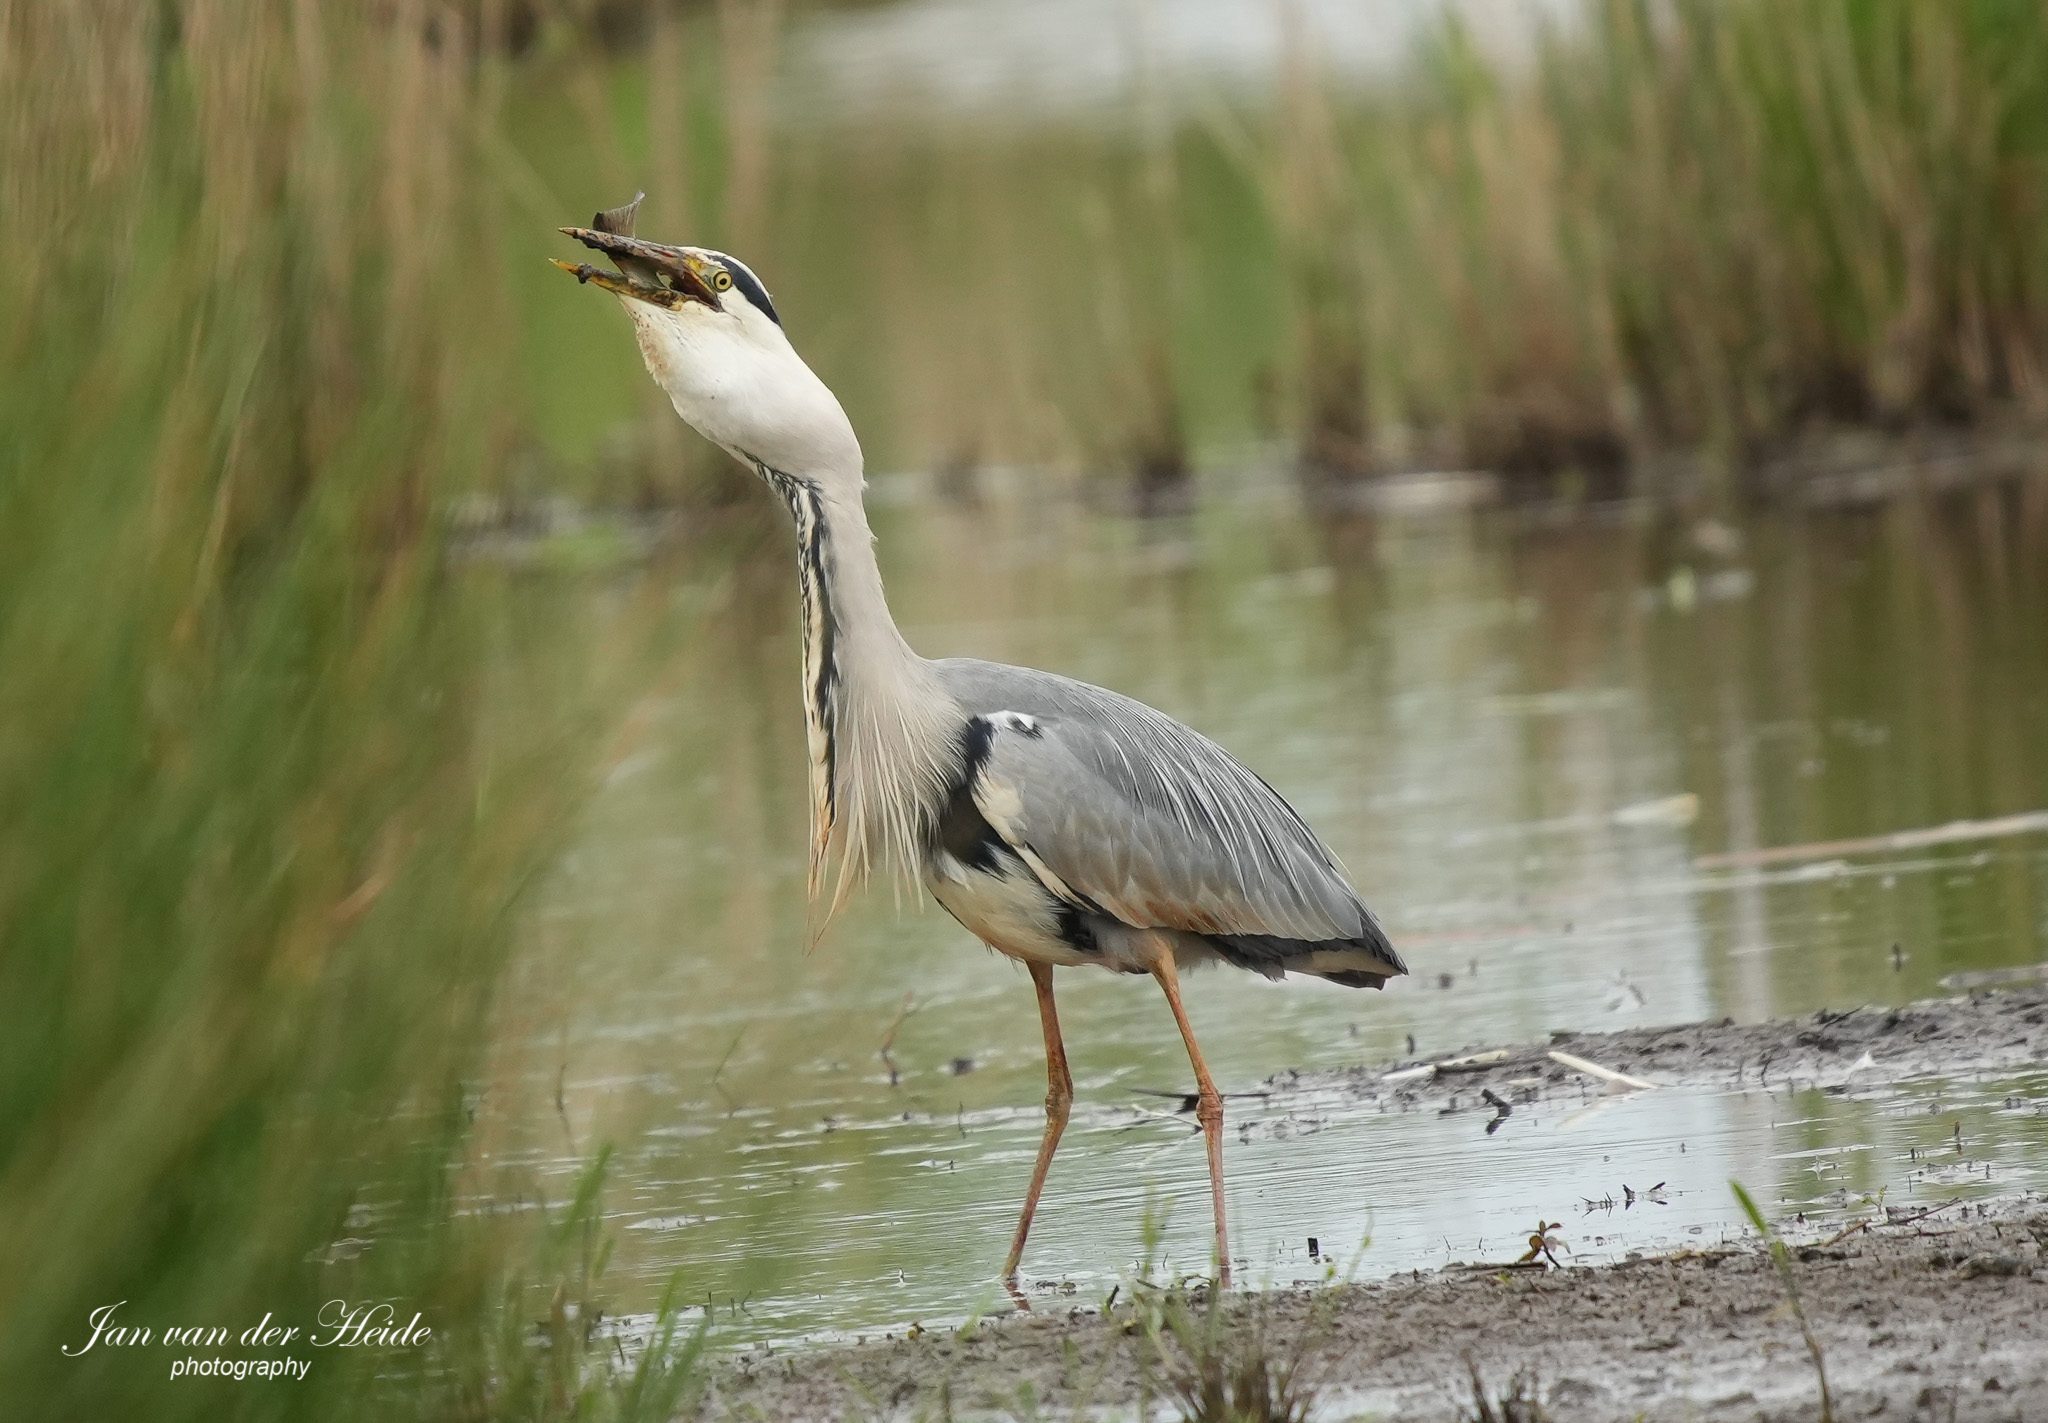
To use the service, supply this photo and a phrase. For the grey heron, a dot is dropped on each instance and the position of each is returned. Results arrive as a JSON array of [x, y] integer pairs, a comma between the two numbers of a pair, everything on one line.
[[1063, 825]]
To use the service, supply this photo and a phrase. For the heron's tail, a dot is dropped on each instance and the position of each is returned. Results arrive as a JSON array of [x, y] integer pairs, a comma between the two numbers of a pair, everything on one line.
[[1366, 961]]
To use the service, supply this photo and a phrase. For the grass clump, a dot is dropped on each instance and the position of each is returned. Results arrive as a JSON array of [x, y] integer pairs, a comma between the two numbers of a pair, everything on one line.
[[539, 1344], [1212, 1361], [1239, 1383], [1518, 1403]]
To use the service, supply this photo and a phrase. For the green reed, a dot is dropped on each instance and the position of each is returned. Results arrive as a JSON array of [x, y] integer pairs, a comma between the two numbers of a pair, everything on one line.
[[1707, 226], [268, 808], [1719, 226]]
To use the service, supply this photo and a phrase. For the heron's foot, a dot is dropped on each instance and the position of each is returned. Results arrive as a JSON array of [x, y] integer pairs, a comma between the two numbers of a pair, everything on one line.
[[1209, 1112]]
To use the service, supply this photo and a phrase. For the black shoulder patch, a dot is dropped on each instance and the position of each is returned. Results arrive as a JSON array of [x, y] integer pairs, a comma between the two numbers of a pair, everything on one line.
[[975, 740], [962, 831]]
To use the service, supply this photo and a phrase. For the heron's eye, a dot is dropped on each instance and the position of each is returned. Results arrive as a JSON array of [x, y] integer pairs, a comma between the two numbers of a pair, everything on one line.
[[722, 282]]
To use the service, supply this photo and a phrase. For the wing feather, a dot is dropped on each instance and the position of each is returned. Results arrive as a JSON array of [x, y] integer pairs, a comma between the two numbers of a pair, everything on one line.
[[1134, 815]]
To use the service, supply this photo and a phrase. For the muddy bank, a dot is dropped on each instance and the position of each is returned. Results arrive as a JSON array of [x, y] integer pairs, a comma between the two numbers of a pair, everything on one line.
[[1829, 1049], [1919, 1314], [1937, 1318]]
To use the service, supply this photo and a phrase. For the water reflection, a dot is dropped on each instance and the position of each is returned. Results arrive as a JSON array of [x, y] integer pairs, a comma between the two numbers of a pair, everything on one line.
[[1518, 737]]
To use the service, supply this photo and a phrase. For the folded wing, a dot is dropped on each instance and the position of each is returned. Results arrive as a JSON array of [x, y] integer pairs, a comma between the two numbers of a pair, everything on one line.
[[1125, 812]]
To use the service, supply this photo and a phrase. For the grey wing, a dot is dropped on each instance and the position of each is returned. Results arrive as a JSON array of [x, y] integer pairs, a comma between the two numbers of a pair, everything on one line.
[[1124, 811]]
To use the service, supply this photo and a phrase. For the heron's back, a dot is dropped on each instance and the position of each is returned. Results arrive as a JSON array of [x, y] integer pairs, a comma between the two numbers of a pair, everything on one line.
[[1126, 814]]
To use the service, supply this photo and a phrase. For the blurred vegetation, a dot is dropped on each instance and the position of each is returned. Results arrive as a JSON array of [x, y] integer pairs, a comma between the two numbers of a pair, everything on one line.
[[266, 815], [1713, 228], [1665, 250], [1666, 246]]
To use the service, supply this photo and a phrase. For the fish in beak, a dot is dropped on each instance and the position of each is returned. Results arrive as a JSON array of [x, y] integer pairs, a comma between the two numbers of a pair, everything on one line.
[[647, 271]]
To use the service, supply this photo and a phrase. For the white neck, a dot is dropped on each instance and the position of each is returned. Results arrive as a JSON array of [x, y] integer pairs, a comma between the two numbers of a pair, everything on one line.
[[883, 733]]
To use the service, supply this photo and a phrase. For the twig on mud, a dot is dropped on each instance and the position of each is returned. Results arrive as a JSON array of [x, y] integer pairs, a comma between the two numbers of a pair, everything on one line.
[[1604, 1074], [1782, 1259], [1471, 1062], [1474, 1062], [1857, 1227], [1854, 1227], [1922, 1215]]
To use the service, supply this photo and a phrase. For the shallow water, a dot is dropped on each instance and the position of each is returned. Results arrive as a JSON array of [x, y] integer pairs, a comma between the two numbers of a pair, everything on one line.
[[1518, 737]]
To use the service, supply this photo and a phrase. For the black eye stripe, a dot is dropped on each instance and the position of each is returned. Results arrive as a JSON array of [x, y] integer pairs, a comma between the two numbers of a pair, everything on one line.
[[749, 285]]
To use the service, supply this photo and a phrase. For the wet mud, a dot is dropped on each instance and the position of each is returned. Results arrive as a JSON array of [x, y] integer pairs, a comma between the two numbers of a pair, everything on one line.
[[1924, 1313], [1986, 1031], [1928, 1318]]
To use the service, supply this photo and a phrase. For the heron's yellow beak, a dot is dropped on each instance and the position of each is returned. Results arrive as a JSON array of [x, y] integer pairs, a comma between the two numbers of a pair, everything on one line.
[[648, 271]]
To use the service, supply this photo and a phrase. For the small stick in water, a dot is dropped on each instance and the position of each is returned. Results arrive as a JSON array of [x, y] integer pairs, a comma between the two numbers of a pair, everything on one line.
[[902, 1012]]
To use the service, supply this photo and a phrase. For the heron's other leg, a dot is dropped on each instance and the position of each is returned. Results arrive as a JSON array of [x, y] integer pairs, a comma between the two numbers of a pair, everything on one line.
[[1208, 1104], [1059, 1095]]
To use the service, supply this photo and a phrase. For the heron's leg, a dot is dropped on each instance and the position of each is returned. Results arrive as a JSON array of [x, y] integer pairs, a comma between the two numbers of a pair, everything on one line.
[[1208, 1104], [1059, 1094]]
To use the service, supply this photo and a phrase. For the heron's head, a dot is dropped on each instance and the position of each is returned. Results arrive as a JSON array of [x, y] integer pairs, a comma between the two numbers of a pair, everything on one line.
[[713, 341]]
